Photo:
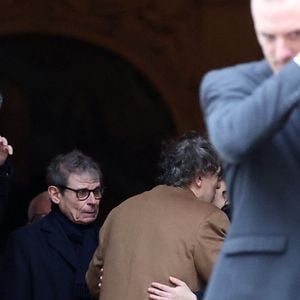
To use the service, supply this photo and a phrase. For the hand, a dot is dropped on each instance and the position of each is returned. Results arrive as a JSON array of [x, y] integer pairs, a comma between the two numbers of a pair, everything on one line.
[[5, 150], [100, 278], [181, 291]]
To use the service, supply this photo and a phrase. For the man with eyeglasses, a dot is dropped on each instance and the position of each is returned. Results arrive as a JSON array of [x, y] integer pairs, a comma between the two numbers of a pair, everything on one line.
[[48, 258]]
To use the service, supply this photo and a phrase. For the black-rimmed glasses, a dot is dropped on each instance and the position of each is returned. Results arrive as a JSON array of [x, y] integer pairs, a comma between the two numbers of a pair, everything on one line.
[[83, 194]]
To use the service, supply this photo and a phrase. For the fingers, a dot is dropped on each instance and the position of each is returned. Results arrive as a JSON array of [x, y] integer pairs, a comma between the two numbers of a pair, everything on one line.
[[100, 282], [100, 278], [176, 281], [157, 294], [155, 297], [161, 287], [4, 147], [10, 150], [3, 140]]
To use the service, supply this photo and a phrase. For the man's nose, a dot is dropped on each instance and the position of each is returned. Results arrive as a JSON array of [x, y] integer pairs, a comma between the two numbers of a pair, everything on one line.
[[91, 198], [283, 50]]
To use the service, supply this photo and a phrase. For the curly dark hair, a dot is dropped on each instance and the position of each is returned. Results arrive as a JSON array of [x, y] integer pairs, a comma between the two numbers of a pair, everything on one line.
[[62, 165], [185, 158]]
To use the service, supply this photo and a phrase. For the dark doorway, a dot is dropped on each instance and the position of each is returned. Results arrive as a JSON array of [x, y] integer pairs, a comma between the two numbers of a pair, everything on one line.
[[61, 94]]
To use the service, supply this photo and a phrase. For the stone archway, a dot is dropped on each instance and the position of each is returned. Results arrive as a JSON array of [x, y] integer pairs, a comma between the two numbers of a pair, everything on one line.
[[62, 94], [171, 44]]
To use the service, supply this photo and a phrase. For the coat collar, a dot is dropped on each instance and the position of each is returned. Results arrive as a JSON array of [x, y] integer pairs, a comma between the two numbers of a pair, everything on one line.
[[57, 239]]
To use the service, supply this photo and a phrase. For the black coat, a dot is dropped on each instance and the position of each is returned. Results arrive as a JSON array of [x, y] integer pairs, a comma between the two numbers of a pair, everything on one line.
[[40, 263], [5, 175]]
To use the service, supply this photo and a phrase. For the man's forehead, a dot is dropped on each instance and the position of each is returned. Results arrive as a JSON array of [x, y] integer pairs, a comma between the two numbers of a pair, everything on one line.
[[276, 16], [83, 177], [273, 6], [274, 2]]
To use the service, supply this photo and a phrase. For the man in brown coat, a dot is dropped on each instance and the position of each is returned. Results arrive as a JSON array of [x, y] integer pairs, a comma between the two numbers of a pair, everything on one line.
[[173, 229]]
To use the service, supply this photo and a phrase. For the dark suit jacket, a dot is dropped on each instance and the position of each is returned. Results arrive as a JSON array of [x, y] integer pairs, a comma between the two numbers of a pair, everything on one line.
[[253, 118], [5, 174], [162, 232], [40, 263]]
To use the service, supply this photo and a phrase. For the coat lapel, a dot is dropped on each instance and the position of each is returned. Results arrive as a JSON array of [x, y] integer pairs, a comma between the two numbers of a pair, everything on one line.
[[58, 240]]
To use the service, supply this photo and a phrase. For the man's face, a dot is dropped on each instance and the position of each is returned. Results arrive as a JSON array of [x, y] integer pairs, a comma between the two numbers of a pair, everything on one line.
[[81, 212], [209, 185], [221, 195], [277, 26]]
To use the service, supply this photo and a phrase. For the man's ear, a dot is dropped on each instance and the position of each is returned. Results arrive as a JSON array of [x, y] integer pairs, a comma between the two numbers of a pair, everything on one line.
[[195, 187], [198, 181], [54, 194]]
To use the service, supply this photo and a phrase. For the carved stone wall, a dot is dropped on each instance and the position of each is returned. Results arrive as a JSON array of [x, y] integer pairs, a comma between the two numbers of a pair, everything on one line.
[[172, 42]]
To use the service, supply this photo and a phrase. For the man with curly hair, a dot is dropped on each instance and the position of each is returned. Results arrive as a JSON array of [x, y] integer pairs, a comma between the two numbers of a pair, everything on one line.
[[173, 229]]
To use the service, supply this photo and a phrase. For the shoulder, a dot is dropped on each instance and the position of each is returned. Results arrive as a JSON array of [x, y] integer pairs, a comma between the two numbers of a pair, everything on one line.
[[214, 224], [211, 214], [232, 82], [252, 71], [260, 66], [30, 232], [218, 217], [22, 242], [140, 199], [26, 232]]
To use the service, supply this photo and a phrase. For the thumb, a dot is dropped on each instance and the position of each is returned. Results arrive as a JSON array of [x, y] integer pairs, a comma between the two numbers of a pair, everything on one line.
[[176, 281], [10, 149]]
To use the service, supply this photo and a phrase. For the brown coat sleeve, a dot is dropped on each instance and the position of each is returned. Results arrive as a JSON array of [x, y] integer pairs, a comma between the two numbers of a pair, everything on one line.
[[92, 276], [209, 241]]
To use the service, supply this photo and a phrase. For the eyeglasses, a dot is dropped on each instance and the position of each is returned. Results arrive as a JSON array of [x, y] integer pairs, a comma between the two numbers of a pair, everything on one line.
[[83, 194]]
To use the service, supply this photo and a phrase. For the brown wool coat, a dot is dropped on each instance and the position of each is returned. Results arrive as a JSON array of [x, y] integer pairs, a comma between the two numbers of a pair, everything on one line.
[[162, 232]]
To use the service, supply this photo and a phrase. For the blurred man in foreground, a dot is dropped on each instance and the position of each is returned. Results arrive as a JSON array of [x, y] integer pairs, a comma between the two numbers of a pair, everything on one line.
[[252, 112]]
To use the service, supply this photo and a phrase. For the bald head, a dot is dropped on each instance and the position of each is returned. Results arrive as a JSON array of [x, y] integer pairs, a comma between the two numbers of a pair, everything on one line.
[[39, 207], [273, 1], [277, 26], [274, 5]]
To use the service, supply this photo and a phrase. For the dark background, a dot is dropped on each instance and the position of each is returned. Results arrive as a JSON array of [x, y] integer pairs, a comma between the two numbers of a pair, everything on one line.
[[111, 78]]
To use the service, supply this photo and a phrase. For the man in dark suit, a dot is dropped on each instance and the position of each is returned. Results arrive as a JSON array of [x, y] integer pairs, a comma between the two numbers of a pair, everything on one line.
[[5, 174], [173, 229], [48, 258], [5, 177], [252, 113]]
